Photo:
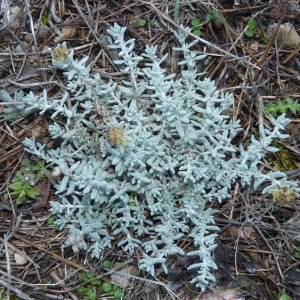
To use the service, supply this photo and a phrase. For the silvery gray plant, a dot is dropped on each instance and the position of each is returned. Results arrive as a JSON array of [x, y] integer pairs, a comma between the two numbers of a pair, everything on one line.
[[142, 158]]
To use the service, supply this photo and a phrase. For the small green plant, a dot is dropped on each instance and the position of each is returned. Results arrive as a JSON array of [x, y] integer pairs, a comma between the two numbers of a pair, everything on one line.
[[252, 28], [282, 107], [106, 287], [262, 37], [23, 184], [3, 296], [285, 163], [87, 276], [297, 252], [21, 187], [252, 24], [45, 17], [116, 264], [214, 14], [285, 297], [50, 220], [196, 26], [116, 292], [106, 264], [88, 290], [142, 22], [113, 290]]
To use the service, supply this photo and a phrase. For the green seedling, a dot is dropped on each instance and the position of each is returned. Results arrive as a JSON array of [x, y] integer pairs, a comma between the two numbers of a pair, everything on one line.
[[252, 28], [282, 107], [297, 252], [50, 220], [142, 22], [196, 26], [22, 188], [116, 264], [23, 184], [106, 287], [96, 282], [214, 14], [106, 264], [132, 194], [44, 287], [262, 37], [116, 292], [57, 227], [285, 297], [87, 276], [252, 24], [88, 290], [113, 290]]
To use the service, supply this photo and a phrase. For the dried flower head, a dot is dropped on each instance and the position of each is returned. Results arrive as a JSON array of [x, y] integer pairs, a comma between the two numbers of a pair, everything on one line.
[[117, 136], [60, 53]]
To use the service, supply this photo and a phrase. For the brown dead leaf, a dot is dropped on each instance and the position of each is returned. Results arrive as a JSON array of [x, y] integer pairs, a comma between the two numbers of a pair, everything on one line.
[[293, 130], [237, 232], [44, 188]]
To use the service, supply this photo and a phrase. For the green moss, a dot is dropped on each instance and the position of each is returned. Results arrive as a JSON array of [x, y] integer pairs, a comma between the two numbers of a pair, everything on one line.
[[284, 194], [285, 162]]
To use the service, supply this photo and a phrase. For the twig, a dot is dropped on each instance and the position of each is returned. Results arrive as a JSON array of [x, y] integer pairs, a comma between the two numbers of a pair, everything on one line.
[[8, 269], [22, 295], [259, 63], [271, 249], [27, 85], [37, 52], [15, 249], [271, 41], [58, 257], [191, 34]]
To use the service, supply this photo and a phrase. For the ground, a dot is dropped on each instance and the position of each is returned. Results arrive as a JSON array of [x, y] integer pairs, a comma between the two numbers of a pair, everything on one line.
[[258, 243]]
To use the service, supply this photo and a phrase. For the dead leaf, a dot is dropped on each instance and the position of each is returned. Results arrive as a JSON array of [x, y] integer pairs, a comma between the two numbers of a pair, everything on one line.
[[44, 189], [293, 130], [238, 232], [69, 32]]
